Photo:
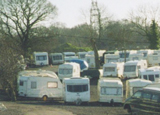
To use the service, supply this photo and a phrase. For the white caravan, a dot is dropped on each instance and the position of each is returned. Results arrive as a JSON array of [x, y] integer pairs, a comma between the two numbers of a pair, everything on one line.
[[39, 84], [124, 55], [153, 59], [90, 59], [145, 52], [110, 90], [81, 55], [134, 85], [40, 58], [113, 69], [111, 58], [68, 69], [131, 68], [76, 90], [136, 56], [56, 58], [69, 55], [151, 73]]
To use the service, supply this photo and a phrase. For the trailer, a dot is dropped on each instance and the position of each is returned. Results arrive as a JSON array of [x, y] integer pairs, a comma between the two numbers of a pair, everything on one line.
[[153, 59], [39, 84], [151, 73], [145, 52], [69, 55], [134, 85], [111, 58], [56, 58], [68, 69], [40, 58], [131, 68], [76, 90], [110, 90], [124, 55], [113, 69], [81, 55]]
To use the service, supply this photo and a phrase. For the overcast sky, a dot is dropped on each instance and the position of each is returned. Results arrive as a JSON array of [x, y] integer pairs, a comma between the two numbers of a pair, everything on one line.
[[70, 11]]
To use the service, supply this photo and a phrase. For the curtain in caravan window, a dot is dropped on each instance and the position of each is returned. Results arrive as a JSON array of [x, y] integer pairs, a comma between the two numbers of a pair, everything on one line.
[[151, 77], [33, 85], [145, 77], [52, 84]]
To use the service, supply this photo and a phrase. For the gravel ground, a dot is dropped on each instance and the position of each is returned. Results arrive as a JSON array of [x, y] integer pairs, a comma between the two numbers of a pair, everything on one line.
[[57, 107]]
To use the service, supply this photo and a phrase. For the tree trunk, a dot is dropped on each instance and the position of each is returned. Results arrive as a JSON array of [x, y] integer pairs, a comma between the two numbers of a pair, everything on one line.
[[97, 62]]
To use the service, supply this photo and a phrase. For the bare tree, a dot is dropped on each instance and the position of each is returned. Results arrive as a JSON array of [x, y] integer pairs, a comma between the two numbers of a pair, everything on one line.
[[143, 19], [18, 17]]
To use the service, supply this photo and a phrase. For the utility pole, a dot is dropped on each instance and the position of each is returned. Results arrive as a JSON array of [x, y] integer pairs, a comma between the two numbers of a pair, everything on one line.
[[94, 22]]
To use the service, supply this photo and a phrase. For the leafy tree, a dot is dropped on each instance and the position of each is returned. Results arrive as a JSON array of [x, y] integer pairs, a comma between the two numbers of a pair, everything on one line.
[[153, 36], [19, 17], [9, 59]]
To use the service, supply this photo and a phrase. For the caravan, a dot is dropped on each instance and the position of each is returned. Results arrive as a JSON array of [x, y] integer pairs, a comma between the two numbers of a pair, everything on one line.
[[153, 59], [111, 58], [40, 58], [39, 84], [113, 69], [81, 55], [134, 85], [69, 55], [145, 53], [56, 58], [131, 68], [151, 73], [110, 90], [76, 90], [124, 55], [68, 69]]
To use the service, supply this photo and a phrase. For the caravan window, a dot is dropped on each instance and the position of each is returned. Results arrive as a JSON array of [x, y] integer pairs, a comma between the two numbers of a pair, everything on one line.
[[33, 85], [145, 77], [21, 83], [58, 57], [77, 88], [65, 71], [151, 77], [135, 58], [129, 68], [157, 75], [42, 57], [52, 84], [109, 69], [111, 91], [144, 54], [82, 55]]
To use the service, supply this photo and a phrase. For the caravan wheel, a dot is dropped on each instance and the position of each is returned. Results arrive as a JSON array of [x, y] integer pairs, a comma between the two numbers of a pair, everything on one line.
[[45, 98]]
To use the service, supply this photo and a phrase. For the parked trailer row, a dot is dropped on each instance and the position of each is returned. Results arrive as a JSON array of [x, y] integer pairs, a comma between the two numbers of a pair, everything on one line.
[[46, 84]]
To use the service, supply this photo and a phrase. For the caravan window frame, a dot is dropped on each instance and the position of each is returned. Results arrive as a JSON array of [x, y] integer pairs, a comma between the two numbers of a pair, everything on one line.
[[41, 57], [105, 92], [109, 69], [50, 85], [78, 88], [33, 85], [21, 82]]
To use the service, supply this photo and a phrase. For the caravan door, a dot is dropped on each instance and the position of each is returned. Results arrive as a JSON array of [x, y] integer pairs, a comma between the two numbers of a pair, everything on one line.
[[22, 87]]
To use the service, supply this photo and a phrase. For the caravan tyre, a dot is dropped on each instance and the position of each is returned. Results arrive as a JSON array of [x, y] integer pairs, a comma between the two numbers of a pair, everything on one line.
[[45, 98]]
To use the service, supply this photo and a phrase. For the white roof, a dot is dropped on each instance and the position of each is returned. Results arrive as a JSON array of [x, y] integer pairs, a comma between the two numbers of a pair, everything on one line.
[[138, 82], [38, 73], [76, 80], [69, 64], [110, 82]]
